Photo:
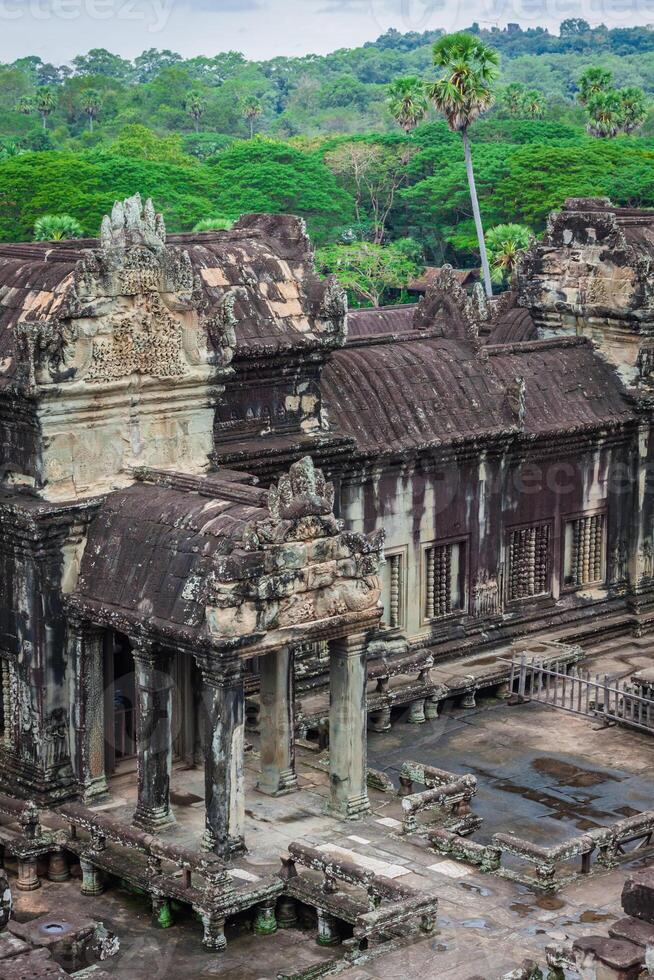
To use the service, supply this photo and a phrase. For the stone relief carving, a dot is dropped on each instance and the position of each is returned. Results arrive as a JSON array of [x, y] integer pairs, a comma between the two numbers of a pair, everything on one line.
[[302, 492], [485, 594], [146, 341], [645, 561], [618, 569], [56, 738], [516, 398]]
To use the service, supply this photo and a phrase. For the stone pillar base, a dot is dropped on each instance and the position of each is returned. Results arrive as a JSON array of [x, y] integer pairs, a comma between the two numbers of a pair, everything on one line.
[[94, 791], [327, 929], [265, 923], [287, 784], [91, 879], [431, 709], [234, 845], [152, 821], [354, 809], [58, 869], [380, 721], [162, 917]]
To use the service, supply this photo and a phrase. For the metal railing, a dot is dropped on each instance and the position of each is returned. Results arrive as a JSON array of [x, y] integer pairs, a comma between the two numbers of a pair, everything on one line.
[[571, 689]]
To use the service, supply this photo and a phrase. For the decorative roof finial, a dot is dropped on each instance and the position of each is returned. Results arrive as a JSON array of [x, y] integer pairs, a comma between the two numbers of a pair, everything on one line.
[[133, 223]]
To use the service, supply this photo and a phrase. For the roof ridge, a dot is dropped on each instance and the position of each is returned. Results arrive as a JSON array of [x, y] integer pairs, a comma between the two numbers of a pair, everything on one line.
[[544, 343], [206, 486]]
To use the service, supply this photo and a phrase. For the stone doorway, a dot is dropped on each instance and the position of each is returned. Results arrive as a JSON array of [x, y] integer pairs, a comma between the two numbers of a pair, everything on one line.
[[120, 704]]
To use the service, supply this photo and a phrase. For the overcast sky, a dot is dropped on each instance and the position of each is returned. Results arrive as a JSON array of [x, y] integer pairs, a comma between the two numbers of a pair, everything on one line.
[[57, 30]]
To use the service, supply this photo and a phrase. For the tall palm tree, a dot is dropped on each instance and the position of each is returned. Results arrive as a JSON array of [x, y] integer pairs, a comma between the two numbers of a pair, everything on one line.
[[45, 104], [407, 102], [513, 98], [462, 93], [91, 105], [195, 106], [592, 82], [634, 108], [605, 114], [251, 109], [26, 105]]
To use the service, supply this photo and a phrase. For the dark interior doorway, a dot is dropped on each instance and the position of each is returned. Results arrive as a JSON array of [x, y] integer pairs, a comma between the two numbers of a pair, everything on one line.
[[120, 702]]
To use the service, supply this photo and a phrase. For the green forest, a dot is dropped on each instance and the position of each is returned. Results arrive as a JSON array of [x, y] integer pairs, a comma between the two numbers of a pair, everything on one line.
[[349, 141]]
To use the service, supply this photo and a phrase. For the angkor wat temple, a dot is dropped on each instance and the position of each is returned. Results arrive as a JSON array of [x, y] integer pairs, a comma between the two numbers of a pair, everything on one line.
[[220, 490]]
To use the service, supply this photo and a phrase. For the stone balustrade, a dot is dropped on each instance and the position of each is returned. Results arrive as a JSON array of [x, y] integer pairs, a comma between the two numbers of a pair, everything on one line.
[[379, 910], [550, 868], [23, 837], [447, 797], [167, 872]]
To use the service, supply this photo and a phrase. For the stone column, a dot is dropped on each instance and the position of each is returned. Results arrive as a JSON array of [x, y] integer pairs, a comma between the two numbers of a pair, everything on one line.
[[276, 721], [85, 648], [154, 747], [347, 726], [224, 768]]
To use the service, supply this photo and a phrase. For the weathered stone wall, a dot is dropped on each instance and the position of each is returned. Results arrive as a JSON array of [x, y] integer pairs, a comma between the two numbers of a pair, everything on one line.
[[477, 498], [593, 275]]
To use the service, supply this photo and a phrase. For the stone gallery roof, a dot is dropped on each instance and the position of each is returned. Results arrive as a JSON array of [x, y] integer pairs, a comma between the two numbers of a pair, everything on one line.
[[420, 285], [149, 544], [568, 387], [257, 278], [402, 395], [215, 562], [512, 326], [380, 321], [396, 396]]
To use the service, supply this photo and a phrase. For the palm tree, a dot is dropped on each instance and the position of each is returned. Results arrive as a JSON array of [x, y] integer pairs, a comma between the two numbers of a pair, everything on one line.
[[505, 243], [195, 106], [634, 108], [462, 94], [45, 104], [56, 228], [407, 102], [605, 114], [513, 98], [592, 82], [26, 105], [251, 109], [91, 105], [533, 103]]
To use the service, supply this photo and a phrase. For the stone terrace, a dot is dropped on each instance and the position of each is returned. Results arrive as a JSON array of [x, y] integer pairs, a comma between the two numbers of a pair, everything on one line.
[[542, 773]]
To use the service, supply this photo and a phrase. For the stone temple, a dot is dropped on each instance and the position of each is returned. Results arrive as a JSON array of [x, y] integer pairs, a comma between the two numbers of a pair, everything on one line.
[[247, 536]]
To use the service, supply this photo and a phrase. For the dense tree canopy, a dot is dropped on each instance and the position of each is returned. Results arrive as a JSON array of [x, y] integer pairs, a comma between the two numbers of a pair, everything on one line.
[[342, 140]]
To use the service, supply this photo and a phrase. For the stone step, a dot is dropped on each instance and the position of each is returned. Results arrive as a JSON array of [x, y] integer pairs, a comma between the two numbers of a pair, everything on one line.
[[638, 895], [633, 930], [613, 959]]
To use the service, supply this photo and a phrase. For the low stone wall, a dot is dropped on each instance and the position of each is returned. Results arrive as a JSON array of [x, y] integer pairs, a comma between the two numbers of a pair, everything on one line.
[[382, 914], [551, 868], [446, 797]]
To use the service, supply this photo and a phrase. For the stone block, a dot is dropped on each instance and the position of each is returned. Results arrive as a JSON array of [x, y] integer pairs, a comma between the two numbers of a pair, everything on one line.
[[638, 895], [613, 959], [634, 931], [11, 945], [37, 965], [66, 938]]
